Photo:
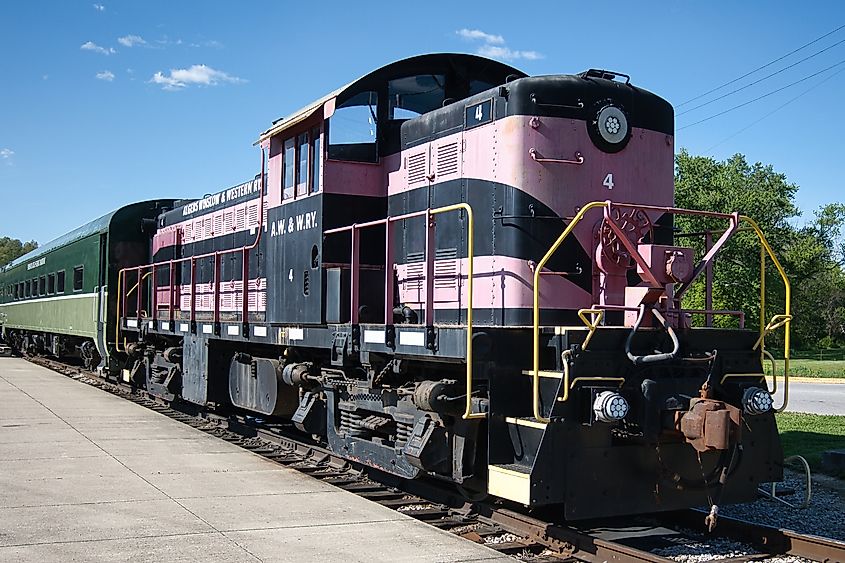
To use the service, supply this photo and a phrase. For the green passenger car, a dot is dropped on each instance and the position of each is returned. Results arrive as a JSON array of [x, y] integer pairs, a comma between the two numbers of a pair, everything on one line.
[[56, 299]]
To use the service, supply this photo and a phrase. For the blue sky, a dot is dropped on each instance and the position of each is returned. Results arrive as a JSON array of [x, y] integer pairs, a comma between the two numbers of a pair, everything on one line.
[[104, 103]]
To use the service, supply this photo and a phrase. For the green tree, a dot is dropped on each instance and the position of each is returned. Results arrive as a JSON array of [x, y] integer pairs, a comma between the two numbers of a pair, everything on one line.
[[11, 248], [811, 255], [733, 185], [819, 302]]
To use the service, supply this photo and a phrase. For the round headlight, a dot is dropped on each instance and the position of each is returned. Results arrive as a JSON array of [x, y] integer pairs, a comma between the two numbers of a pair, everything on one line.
[[756, 401], [609, 129], [610, 406], [612, 124]]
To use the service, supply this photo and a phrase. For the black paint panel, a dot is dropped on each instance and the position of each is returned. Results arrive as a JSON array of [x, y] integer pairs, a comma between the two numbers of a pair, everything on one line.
[[508, 222], [566, 96]]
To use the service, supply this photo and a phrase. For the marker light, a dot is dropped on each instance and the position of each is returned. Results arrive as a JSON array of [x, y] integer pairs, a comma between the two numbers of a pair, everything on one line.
[[756, 401], [610, 406]]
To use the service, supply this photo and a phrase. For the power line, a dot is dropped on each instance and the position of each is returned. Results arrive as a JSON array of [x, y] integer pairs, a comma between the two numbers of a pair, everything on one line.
[[761, 97], [768, 64], [780, 107], [750, 84]]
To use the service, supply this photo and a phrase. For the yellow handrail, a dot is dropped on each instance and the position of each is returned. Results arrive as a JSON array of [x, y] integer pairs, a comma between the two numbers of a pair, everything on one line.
[[565, 383], [771, 358], [468, 414], [762, 376], [537, 269], [777, 321], [134, 287], [592, 323]]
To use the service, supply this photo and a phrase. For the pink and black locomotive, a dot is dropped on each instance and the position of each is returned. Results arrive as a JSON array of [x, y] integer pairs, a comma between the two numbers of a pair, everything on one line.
[[450, 269]]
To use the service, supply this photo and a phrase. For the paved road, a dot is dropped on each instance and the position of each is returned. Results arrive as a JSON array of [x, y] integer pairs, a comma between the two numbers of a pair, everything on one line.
[[819, 398]]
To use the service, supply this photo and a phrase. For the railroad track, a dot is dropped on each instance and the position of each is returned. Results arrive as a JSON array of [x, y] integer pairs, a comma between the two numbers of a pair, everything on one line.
[[504, 528]]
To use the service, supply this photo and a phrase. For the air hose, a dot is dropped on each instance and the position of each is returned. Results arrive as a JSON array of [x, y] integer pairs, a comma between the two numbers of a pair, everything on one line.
[[652, 358]]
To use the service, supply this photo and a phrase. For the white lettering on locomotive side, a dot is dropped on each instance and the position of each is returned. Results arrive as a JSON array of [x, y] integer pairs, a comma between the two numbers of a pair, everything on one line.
[[36, 263], [213, 200], [294, 223]]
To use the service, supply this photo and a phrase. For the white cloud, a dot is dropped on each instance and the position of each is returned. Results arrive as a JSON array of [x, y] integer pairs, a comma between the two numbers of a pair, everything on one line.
[[106, 75], [99, 7], [6, 154], [473, 34], [495, 52], [212, 43], [493, 46], [131, 40], [91, 46], [199, 75]]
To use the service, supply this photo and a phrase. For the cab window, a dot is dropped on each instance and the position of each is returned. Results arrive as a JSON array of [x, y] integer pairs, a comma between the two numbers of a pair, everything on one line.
[[352, 129], [290, 167], [315, 160], [414, 95], [302, 165]]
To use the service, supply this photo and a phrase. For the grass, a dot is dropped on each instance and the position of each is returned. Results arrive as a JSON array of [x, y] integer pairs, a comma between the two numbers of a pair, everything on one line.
[[812, 368], [809, 435]]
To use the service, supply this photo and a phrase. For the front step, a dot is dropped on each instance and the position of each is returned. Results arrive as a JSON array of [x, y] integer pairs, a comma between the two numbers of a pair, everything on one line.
[[513, 480], [510, 481], [516, 437]]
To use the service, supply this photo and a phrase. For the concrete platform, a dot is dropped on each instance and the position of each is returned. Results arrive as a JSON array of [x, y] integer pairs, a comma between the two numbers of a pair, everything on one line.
[[87, 476]]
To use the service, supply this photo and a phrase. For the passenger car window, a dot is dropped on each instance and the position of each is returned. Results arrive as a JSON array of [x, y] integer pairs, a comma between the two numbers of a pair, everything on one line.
[[77, 278], [42, 285], [60, 281], [28, 288], [51, 284]]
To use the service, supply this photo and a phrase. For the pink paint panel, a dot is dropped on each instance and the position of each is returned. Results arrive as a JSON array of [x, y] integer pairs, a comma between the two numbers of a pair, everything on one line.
[[498, 282], [228, 220], [165, 238], [353, 178], [395, 173], [643, 172], [230, 295], [274, 181]]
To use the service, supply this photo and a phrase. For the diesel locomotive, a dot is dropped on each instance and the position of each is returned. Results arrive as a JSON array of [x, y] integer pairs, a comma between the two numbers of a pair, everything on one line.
[[449, 269]]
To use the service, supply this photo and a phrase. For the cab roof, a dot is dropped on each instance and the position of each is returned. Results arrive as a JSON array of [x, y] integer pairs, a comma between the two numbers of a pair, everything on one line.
[[461, 67]]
